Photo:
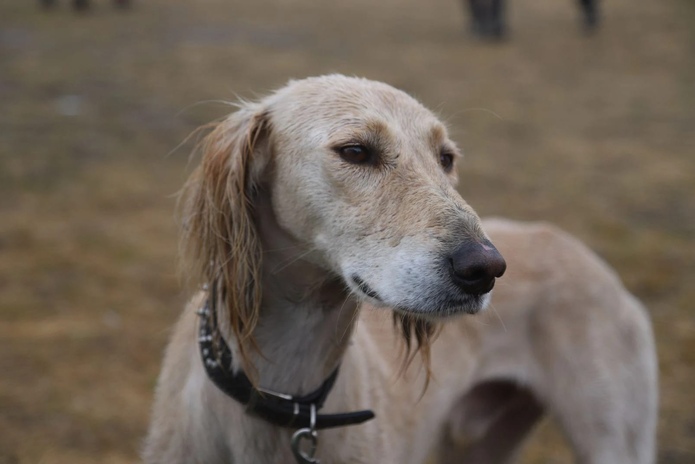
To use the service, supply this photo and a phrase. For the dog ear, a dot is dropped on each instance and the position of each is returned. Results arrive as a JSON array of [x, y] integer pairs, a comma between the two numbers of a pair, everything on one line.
[[220, 245]]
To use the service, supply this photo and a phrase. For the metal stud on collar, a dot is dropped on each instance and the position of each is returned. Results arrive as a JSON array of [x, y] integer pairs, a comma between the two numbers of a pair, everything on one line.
[[310, 434]]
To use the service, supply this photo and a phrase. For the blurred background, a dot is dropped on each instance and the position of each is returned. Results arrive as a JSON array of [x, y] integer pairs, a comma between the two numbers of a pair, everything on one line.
[[595, 133]]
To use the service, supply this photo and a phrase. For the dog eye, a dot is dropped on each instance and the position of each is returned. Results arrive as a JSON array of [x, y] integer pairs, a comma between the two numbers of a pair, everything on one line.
[[356, 154], [446, 160]]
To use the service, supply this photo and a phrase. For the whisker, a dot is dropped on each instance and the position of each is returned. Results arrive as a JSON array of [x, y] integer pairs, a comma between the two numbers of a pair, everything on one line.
[[293, 260], [352, 319], [494, 310], [271, 250]]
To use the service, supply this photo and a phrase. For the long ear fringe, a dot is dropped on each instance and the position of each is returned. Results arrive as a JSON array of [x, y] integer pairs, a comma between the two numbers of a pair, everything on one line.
[[219, 243], [418, 335]]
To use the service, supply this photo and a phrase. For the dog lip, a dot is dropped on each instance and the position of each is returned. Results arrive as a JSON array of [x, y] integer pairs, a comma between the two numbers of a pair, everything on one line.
[[469, 304], [364, 288], [484, 292]]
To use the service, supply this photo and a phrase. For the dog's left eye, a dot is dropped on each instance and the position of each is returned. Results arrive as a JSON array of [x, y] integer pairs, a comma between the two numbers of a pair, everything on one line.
[[446, 160], [356, 154]]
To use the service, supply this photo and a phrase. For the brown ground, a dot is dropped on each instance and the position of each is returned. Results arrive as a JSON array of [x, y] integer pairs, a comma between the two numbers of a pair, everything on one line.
[[596, 134]]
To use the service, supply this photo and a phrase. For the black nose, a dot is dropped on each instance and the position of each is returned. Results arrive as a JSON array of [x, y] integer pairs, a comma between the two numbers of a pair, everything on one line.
[[475, 265]]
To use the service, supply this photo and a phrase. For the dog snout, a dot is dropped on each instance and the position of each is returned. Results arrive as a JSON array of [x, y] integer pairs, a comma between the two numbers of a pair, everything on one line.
[[475, 265]]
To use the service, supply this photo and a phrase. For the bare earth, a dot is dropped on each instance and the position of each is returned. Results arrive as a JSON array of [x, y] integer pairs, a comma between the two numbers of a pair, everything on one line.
[[596, 134]]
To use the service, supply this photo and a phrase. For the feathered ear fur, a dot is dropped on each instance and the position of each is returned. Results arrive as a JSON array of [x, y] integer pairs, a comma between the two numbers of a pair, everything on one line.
[[219, 244]]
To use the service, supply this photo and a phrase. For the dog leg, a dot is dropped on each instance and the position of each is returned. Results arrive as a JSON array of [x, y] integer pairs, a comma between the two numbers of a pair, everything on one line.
[[605, 398]]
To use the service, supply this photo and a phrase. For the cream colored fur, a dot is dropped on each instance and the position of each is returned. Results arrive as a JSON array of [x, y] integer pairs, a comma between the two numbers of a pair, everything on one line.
[[560, 336]]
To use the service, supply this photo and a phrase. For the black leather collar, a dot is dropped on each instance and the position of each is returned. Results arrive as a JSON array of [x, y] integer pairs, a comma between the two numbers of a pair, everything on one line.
[[278, 409]]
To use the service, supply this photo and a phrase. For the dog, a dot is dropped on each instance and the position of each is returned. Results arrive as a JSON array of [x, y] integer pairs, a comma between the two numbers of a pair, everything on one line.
[[328, 246]]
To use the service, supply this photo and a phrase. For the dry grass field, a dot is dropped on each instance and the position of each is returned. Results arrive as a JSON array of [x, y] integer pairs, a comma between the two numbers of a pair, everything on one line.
[[595, 134]]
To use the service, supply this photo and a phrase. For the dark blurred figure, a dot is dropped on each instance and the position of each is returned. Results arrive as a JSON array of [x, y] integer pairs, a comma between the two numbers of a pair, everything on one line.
[[487, 17], [82, 5]]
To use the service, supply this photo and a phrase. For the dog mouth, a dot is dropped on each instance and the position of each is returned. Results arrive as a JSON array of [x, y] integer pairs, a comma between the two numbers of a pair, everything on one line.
[[472, 304], [442, 305], [365, 289], [447, 307]]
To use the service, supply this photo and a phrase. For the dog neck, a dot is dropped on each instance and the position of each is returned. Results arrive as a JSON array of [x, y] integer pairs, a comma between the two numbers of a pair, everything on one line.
[[307, 314]]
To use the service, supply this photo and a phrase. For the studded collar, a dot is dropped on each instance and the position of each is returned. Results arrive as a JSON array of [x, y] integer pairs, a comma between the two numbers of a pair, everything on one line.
[[277, 408]]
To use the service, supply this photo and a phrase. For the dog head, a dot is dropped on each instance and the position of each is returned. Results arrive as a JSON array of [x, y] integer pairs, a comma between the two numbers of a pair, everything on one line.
[[358, 174], [366, 175]]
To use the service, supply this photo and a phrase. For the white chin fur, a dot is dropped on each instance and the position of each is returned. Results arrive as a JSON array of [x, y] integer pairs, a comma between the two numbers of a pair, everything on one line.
[[485, 301], [476, 305]]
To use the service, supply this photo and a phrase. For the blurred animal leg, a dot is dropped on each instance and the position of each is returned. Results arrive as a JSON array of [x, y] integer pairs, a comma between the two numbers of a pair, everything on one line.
[[80, 5], [478, 14], [591, 15], [496, 19]]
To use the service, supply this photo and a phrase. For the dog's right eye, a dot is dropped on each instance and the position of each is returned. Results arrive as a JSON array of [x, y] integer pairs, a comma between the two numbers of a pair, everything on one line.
[[356, 154]]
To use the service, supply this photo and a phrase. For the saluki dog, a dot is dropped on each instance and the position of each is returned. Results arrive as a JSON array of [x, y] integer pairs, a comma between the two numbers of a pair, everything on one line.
[[337, 273]]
